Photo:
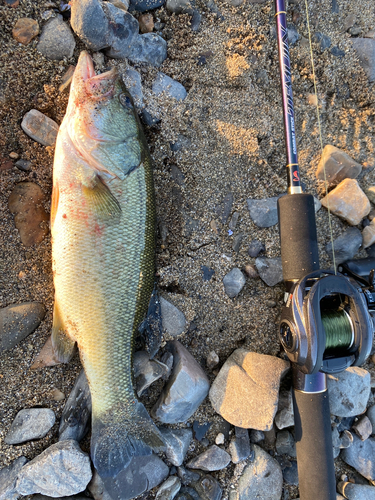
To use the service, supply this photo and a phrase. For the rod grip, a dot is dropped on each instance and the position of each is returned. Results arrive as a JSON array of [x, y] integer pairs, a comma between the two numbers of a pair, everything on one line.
[[299, 245], [316, 472]]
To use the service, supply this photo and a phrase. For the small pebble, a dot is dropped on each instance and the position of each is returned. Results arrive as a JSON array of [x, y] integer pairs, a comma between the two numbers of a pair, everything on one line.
[[25, 30], [23, 165], [169, 489], [363, 428], [346, 245], [46, 357], [174, 321], [214, 458], [39, 127], [255, 248], [270, 270], [263, 212], [57, 395], [349, 391], [251, 271], [220, 438], [212, 360], [146, 23], [336, 165], [172, 88], [346, 439], [256, 436], [149, 48], [233, 282], [18, 321]]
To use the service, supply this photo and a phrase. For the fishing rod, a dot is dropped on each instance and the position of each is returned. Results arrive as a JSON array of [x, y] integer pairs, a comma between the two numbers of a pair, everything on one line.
[[325, 325]]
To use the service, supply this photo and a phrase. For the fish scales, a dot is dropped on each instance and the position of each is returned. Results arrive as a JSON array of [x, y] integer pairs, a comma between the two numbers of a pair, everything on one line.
[[103, 244]]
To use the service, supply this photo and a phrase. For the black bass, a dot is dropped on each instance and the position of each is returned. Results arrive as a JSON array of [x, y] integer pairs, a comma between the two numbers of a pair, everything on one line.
[[103, 243]]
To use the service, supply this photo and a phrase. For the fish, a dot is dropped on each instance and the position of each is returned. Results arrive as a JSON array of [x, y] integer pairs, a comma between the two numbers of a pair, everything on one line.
[[103, 257]]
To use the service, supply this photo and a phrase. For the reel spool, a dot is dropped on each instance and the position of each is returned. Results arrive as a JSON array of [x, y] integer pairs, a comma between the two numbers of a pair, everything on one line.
[[326, 325]]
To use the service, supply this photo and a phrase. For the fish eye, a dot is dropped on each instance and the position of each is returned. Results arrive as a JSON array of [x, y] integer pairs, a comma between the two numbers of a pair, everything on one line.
[[126, 101]]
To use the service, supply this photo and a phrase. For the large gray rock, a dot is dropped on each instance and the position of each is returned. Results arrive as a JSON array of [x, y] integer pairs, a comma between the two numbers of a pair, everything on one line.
[[166, 84], [214, 458], [234, 281], [361, 456], [185, 390], [349, 391], [57, 40], [18, 321], [261, 479], [62, 469], [246, 390], [177, 443], [270, 269], [90, 23], [149, 48], [174, 321], [263, 212], [8, 477], [353, 491], [75, 418], [337, 165], [124, 30], [346, 246], [365, 48], [32, 423]]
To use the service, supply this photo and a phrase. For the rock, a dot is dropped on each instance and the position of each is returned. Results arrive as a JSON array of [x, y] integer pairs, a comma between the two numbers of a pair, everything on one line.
[[180, 6], [143, 5], [57, 40], [205, 488], [62, 469], [200, 430], [8, 477], [346, 246], [196, 19], [365, 48], [212, 360], [262, 478], [263, 212], [270, 270], [285, 444], [142, 474], [337, 165], [97, 489], [148, 48], [170, 87], [348, 201], [181, 143], [33, 423], [233, 221], [18, 321], [169, 489], [335, 51], [224, 209], [133, 82], [349, 391], [57, 395], [361, 456], [177, 442], [371, 415], [251, 272], [90, 23], [293, 35], [353, 491], [234, 281], [25, 30], [187, 476], [239, 447], [123, 34], [368, 234], [370, 193], [256, 436], [207, 273], [174, 321], [220, 438], [346, 439], [23, 165], [75, 418], [290, 473], [146, 371], [148, 119], [214, 458], [363, 428], [185, 390], [146, 23], [285, 414], [237, 240], [255, 248], [39, 127], [75, 497], [245, 392], [46, 357], [31, 220]]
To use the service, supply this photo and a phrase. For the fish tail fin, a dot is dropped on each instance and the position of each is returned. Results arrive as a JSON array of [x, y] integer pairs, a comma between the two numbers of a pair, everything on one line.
[[120, 434]]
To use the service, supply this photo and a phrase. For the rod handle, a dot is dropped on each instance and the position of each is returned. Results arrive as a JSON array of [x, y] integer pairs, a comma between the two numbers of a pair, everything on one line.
[[313, 437]]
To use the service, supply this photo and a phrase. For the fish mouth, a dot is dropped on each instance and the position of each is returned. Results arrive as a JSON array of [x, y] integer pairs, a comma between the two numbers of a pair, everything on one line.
[[97, 86]]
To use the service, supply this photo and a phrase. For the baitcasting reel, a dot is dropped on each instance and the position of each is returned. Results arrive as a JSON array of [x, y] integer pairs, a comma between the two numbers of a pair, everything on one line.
[[326, 323]]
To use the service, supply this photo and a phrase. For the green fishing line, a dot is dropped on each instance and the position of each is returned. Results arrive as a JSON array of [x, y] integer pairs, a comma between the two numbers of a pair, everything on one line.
[[338, 328]]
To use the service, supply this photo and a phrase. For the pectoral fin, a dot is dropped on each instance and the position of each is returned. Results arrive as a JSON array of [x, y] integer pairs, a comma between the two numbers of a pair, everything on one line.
[[101, 201], [62, 345]]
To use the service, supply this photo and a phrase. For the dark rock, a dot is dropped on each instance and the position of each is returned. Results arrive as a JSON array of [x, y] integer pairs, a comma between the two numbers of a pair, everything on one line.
[[57, 40], [97, 489], [32, 423], [39, 127], [75, 418], [335, 7], [174, 321], [349, 391], [181, 143], [8, 477], [335, 51], [233, 282], [47, 472], [177, 443], [237, 240], [365, 48], [149, 119], [270, 269], [207, 488], [207, 273], [371, 415], [293, 35], [180, 6], [233, 221], [255, 248], [143, 5], [262, 478], [224, 209], [214, 458], [256, 436], [184, 391], [239, 447], [148, 48], [124, 29], [90, 23], [200, 430], [325, 42], [169, 489], [196, 19], [23, 165], [18, 321], [361, 456], [263, 212], [187, 476], [133, 83], [290, 474], [346, 246], [285, 443]]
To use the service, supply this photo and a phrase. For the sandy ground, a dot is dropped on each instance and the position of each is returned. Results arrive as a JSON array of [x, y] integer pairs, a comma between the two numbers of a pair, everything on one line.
[[232, 123]]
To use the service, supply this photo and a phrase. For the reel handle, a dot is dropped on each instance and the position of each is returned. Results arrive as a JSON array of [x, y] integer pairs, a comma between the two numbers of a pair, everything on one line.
[[313, 437]]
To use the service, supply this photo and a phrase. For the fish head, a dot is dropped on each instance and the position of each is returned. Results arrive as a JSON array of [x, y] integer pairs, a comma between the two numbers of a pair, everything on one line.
[[101, 120]]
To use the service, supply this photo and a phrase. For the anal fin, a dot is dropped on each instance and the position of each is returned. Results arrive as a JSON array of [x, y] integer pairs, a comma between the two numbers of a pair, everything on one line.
[[62, 345]]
